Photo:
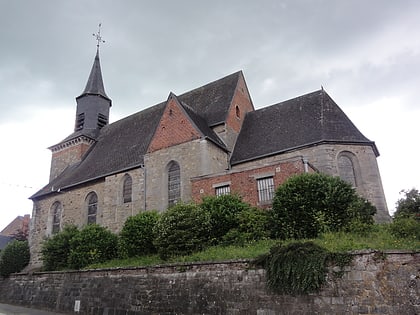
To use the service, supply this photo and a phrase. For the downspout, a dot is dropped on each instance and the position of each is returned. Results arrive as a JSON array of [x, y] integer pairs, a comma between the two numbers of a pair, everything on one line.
[[305, 164], [144, 187]]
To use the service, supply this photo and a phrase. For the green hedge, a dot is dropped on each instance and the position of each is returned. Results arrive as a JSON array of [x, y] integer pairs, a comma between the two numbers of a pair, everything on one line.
[[14, 257]]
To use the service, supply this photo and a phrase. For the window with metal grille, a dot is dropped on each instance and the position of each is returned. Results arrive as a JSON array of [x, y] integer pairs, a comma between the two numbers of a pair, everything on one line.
[[174, 183], [265, 189], [222, 190], [92, 207], [127, 188], [56, 217]]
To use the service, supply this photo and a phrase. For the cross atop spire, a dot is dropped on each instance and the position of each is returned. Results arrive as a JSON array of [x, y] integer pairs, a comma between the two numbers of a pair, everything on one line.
[[98, 36]]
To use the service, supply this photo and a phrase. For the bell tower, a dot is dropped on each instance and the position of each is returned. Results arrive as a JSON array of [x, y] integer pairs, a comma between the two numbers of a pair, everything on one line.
[[92, 114]]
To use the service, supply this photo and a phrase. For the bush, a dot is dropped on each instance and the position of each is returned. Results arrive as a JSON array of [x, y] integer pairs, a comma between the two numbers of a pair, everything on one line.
[[14, 257], [409, 205], [182, 230], [296, 268], [252, 226], [224, 211], [404, 227], [136, 237], [93, 244], [56, 249], [309, 204]]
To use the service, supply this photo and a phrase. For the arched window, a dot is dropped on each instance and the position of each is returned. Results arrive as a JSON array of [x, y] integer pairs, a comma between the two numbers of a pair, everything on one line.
[[127, 188], [92, 207], [174, 183], [56, 217], [346, 169]]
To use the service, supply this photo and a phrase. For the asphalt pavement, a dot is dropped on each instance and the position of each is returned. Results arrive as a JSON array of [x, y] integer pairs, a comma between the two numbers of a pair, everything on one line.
[[6, 309]]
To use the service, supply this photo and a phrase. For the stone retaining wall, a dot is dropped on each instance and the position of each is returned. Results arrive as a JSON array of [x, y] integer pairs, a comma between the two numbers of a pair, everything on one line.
[[375, 283]]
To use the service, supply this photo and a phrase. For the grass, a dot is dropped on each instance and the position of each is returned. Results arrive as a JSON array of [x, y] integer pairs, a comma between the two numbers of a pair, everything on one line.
[[378, 239]]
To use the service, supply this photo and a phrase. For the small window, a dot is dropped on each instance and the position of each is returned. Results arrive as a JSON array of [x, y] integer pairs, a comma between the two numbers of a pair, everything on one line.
[[80, 121], [222, 190], [92, 207], [56, 217], [265, 189], [127, 188], [237, 111], [174, 183]]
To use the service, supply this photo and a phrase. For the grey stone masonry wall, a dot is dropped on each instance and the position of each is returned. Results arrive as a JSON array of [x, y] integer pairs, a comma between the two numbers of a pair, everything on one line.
[[324, 158], [375, 283]]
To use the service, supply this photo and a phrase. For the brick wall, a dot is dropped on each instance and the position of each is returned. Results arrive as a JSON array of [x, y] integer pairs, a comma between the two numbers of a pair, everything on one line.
[[70, 153], [175, 127], [373, 284], [324, 158], [244, 181]]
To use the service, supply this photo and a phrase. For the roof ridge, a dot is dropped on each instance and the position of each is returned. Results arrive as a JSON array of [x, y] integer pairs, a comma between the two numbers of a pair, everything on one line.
[[211, 83]]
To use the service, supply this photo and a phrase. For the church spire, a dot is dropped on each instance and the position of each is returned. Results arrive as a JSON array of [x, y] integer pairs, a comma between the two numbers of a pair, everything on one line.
[[95, 84], [93, 104]]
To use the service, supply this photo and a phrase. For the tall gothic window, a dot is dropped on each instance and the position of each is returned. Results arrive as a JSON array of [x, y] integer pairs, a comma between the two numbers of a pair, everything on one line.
[[56, 210], [92, 207], [346, 169], [174, 183], [127, 188]]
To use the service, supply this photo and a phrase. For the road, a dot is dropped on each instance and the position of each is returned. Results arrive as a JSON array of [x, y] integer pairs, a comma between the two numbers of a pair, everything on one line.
[[6, 309]]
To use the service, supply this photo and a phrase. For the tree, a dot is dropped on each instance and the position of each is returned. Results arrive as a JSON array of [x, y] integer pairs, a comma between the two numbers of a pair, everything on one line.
[[409, 205], [308, 204], [182, 230], [56, 249], [136, 237], [14, 257], [224, 213], [93, 244], [407, 216]]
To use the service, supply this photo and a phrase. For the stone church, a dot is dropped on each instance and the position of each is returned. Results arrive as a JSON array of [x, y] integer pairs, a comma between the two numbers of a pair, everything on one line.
[[208, 141]]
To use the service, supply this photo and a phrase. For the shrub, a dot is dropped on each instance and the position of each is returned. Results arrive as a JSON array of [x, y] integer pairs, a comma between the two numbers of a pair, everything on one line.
[[409, 205], [93, 244], [56, 249], [14, 257], [224, 211], [136, 237], [252, 226], [181, 230], [404, 227], [296, 268], [308, 204]]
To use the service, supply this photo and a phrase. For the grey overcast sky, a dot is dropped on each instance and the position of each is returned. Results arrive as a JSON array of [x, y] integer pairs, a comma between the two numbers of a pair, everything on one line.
[[366, 55]]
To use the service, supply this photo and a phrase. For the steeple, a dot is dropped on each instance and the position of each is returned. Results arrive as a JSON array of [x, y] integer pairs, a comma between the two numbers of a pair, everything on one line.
[[93, 104], [92, 114], [95, 84]]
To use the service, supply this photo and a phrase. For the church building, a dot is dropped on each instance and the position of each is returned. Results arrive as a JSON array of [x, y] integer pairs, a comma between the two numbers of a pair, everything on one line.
[[208, 141]]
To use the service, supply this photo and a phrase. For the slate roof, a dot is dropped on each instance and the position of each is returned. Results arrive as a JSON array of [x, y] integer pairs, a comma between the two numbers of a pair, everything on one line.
[[202, 125], [4, 240], [310, 119], [122, 145], [95, 84], [212, 100]]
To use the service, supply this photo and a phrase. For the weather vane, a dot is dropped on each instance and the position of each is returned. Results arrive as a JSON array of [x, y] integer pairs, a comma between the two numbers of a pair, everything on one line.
[[98, 36]]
